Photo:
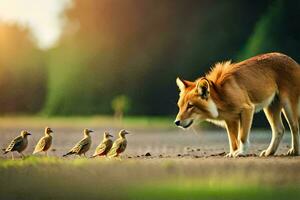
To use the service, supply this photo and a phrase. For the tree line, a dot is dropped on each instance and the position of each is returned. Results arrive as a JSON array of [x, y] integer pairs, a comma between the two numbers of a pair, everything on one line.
[[134, 50]]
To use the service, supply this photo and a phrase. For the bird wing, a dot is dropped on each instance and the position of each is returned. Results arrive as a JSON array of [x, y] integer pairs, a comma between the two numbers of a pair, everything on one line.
[[14, 144], [40, 145], [81, 144], [123, 146], [109, 145], [104, 146], [100, 149], [115, 147]]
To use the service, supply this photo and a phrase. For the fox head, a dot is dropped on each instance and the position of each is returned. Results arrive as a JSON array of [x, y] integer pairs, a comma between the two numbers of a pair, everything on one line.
[[194, 102]]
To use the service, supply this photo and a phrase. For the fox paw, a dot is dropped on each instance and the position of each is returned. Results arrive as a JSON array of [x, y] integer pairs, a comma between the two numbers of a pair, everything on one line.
[[292, 152], [239, 154], [266, 153], [229, 155]]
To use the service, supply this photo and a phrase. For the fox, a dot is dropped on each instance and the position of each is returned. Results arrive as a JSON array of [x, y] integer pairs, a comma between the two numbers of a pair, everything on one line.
[[231, 93]]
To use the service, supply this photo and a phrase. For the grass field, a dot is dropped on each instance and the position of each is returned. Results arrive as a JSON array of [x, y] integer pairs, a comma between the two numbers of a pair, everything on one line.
[[90, 121], [210, 178], [183, 164]]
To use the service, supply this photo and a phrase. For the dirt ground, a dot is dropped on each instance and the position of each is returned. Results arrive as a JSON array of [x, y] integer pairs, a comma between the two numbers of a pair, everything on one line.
[[170, 143]]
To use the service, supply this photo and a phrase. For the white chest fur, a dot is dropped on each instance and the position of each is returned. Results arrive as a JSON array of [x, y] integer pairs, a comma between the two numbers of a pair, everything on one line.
[[212, 108], [220, 123]]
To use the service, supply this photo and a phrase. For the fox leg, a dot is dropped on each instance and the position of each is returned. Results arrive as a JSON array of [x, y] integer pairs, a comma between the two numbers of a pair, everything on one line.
[[291, 115], [246, 118], [232, 128], [273, 114]]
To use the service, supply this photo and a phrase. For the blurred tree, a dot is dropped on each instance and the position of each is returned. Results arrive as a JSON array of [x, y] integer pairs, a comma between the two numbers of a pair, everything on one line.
[[22, 71], [120, 104], [137, 48], [276, 30]]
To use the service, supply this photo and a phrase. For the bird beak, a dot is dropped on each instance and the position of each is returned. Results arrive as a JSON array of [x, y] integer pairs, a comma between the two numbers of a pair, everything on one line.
[[91, 131], [110, 135], [51, 131], [28, 134], [126, 133]]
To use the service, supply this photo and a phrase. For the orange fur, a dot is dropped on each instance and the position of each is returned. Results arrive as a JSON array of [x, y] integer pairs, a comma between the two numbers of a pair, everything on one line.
[[232, 92]]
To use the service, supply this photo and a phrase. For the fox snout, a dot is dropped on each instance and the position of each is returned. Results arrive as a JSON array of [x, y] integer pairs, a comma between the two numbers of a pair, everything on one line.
[[183, 123]]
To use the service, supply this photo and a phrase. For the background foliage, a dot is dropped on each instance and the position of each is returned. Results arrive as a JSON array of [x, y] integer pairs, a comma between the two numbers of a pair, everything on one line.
[[137, 48]]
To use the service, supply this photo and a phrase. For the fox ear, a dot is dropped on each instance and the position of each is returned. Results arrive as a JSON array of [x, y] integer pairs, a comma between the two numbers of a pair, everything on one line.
[[181, 84], [203, 88]]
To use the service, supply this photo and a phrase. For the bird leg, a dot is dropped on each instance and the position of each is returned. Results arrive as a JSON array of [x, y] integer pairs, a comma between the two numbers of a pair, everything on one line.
[[119, 157], [23, 156], [12, 156], [46, 153]]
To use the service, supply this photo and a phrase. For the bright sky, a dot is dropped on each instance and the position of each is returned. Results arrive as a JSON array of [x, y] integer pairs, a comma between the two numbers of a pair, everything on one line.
[[41, 16]]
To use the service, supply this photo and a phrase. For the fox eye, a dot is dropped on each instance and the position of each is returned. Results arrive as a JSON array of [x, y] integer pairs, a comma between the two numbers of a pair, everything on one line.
[[190, 105]]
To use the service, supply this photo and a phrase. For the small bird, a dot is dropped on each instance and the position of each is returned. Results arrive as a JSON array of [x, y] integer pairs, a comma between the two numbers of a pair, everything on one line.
[[18, 144], [83, 145], [119, 145], [105, 145], [44, 143]]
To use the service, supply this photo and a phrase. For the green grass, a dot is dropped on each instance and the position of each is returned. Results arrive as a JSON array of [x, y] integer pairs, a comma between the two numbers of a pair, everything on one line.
[[57, 178], [195, 190], [89, 121]]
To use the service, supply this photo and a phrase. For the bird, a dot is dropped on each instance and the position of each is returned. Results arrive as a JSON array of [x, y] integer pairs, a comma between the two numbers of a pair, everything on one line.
[[119, 145], [18, 144], [105, 145], [83, 145], [44, 143]]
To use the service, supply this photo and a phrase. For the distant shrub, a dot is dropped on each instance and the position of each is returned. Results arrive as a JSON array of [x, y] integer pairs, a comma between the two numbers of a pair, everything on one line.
[[120, 104]]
